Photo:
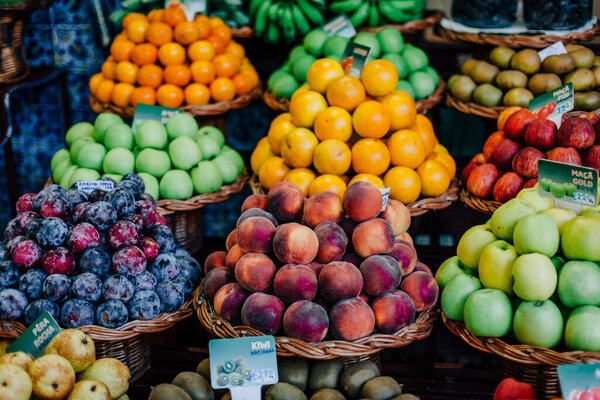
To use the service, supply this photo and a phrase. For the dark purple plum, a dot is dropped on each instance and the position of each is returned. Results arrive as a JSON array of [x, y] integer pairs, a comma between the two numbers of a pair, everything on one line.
[[171, 296], [58, 261], [75, 313], [56, 287], [144, 281], [26, 254], [130, 176], [56, 206], [52, 232], [165, 267], [79, 212], [164, 237], [144, 304], [97, 195], [9, 273], [122, 200], [129, 262], [87, 287], [112, 314], [132, 187], [12, 304], [30, 283], [75, 197], [96, 261], [123, 234], [25, 203], [37, 308], [117, 287], [101, 214], [81, 237]]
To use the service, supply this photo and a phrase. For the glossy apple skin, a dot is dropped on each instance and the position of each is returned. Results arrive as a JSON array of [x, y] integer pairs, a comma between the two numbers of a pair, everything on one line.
[[577, 133], [450, 269], [566, 155], [541, 134], [508, 186], [482, 179], [536, 233], [503, 154], [495, 266], [467, 171], [592, 158], [488, 312], [579, 239], [534, 277], [517, 124], [506, 217], [579, 284], [512, 389], [525, 162], [491, 143], [455, 295], [471, 245], [582, 327]]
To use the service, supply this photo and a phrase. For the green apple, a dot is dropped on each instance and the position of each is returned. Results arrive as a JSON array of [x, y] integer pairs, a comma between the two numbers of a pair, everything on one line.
[[536, 233], [176, 184], [60, 170], [592, 212], [77, 146], [533, 197], [455, 295], [534, 277], [579, 284], [214, 133], [558, 262], [209, 147], [118, 161], [448, 270], [226, 147], [184, 153], [471, 245], [505, 218], [182, 125], [582, 331], [206, 177], [119, 135], [236, 158], [151, 184], [58, 157], [545, 184], [151, 134], [538, 323], [488, 313], [579, 240], [66, 178], [154, 162], [560, 216], [78, 131], [91, 156], [226, 167], [114, 177], [103, 121], [84, 174], [495, 266]]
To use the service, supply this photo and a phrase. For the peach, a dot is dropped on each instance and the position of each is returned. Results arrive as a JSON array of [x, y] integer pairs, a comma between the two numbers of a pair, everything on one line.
[[316, 267], [332, 242], [423, 268], [351, 319], [231, 239], [228, 302], [215, 279], [407, 238], [323, 206], [214, 260], [233, 255], [362, 201], [366, 298], [295, 282], [263, 312], [374, 236], [340, 280], [348, 226], [256, 212], [353, 259], [422, 289], [322, 302], [380, 274], [255, 234], [285, 201], [306, 321], [397, 214], [406, 255], [255, 201], [393, 310], [295, 244], [255, 272]]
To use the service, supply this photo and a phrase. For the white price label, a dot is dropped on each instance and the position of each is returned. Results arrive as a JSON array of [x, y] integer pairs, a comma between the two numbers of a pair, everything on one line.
[[385, 193], [552, 50], [89, 186]]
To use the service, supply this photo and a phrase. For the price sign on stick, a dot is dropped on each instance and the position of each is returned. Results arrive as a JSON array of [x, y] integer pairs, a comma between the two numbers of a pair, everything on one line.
[[340, 26], [579, 381], [569, 185], [355, 58], [554, 104], [37, 337]]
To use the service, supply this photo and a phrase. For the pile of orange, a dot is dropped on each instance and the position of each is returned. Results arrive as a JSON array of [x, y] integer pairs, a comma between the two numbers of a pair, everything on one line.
[[341, 129], [164, 59]]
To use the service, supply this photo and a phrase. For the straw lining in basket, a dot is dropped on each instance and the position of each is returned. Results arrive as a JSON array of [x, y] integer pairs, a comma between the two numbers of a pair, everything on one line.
[[433, 17]]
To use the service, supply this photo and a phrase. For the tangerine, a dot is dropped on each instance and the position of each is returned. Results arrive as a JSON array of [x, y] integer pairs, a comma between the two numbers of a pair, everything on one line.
[[126, 71], [370, 156], [402, 109], [203, 72], [424, 128], [215, 22], [121, 49], [332, 156], [121, 94], [279, 127], [203, 28], [380, 77], [169, 95], [372, 179], [440, 148], [371, 119], [242, 83], [144, 53], [407, 149], [136, 30], [104, 90], [223, 32], [144, 95], [171, 53], [322, 72], [177, 74], [272, 171], [346, 92], [260, 154], [156, 15], [236, 49], [150, 75], [95, 81], [217, 44], [226, 65], [159, 33], [173, 16], [298, 147], [301, 177], [435, 179], [327, 183], [251, 74], [132, 17], [121, 36], [222, 89], [201, 50], [333, 123], [404, 184], [196, 94], [108, 69], [186, 32], [447, 160], [305, 107]]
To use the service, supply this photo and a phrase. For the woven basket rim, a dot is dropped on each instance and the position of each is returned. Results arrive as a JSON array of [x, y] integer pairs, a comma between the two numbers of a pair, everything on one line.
[[477, 203], [473, 108], [286, 346], [242, 32], [433, 17]]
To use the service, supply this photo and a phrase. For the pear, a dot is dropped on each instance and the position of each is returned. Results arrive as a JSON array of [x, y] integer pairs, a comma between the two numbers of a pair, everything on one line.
[[4, 343], [52, 376], [15, 384], [112, 372], [74, 345], [18, 358], [89, 390]]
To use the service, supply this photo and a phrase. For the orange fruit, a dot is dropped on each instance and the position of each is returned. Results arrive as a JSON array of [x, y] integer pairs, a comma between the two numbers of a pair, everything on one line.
[[177, 74], [322, 72], [203, 28], [126, 71], [507, 112], [121, 49], [333, 123], [215, 22], [439, 148], [217, 43], [136, 30], [145, 53], [144, 95], [407, 149], [201, 18], [261, 153], [121, 94], [435, 179], [169, 95], [201, 50], [156, 15], [104, 90], [159, 33], [222, 89], [372, 179], [402, 109], [404, 184], [371, 119], [121, 36], [95, 81], [223, 32], [346, 92], [171, 53], [332, 156], [299, 91], [173, 16], [236, 49], [108, 69], [447, 160], [242, 83], [196, 94], [370, 156], [327, 183], [424, 128], [132, 17], [203, 72], [380, 77], [186, 32], [226, 65], [272, 171], [305, 107], [150, 75], [298, 147], [301, 177], [279, 127], [251, 74]]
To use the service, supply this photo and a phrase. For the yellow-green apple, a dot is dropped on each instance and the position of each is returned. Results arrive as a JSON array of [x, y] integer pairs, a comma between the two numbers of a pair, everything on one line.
[[456, 293], [538, 323], [579, 284], [560, 216], [15, 384], [495, 266], [74, 345], [536, 233], [579, 239], [488, 313], [52, 376], [449, 269], [582, 331], [505, 218], [534, 277], [508, 186], [110, 371], [482, 179], [472, 243], [533, 197], [592, 212]]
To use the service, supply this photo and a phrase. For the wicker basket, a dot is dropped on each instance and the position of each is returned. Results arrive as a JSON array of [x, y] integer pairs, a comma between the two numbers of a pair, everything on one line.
[[242, 32], [477, 203], [431, 18], [473, 108], [287, 346], [534, 365]]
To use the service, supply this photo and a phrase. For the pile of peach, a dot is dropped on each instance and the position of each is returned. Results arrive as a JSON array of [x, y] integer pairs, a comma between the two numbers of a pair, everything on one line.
[[318, 266]]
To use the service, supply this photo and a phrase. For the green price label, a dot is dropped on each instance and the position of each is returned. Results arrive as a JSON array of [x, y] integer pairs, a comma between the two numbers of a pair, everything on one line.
[[554, 104], [355, 56], [340, 26], [579, 381], [144, 112], [568, 183], [37, 337]]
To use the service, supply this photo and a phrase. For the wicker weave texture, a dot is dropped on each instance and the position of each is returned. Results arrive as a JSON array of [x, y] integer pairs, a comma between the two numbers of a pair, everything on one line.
[[431, 18]]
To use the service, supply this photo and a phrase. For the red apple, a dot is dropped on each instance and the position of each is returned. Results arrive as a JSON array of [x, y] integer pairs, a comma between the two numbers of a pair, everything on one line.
[[592, 158], [576, 132], [594, 119], [565, 155], [541, 134], [511, 389], [503, 154], [517, 123], [491, 143], [530, 183], [482, 179], [467, 171], [597, 132], [525, 162], [479, 158], [508, 186]]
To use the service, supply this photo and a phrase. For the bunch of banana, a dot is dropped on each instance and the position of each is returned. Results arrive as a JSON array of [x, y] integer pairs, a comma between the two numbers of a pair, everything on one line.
[[285, 19], [374, 13], [133, 6], [230, 11]]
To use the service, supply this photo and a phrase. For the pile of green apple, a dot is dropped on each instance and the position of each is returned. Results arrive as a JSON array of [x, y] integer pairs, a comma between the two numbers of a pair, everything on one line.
[[175, 160], [531, 271]]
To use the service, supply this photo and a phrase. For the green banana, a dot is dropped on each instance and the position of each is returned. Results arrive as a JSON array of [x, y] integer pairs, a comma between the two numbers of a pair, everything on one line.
[[272, 35], [391, 13], [254, 6], [360, 15], [345, 6], [289, 29], [272, 13], [319, 3], [241, 18], [373, 19], [312, 13], [260, 22], [401, 4], [300, 21]]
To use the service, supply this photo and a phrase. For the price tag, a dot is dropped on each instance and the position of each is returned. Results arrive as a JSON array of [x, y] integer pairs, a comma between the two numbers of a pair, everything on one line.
[[37, 337], [554, 104], [243, 365], [355, 58], [90, 186], [568, 183], [579, 381], [340, 26], [385, 193], [144, 112], [552, 50], [189, 7]]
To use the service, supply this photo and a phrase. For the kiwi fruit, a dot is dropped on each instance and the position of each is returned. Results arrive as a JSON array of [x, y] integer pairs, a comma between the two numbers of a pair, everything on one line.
[[583, 79], [325, 374], [381, 388], [487, 95], [166, 391], [406, 396], [584, 58], [572, 47], [195, 385], [517, 97], [356, 375], [327, 394], [284, 391], [559, 64], [294, 371], [468, 66], [587, 101], [463, 88], [527, 61], [511, 79], [501, 56], [484, 72], [542, 83]]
